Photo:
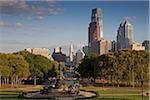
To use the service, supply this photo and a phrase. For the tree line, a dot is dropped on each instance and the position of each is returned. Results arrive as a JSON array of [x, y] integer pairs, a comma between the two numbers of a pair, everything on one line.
[[128, 67], [15, 67]]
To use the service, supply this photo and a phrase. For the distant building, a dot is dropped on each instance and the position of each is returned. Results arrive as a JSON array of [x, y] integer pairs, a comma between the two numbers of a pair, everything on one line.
[[146, 44], [57, 49], [58, 55], [79, 56], [124, 35], [85, 50], [113, 46], [105, 46], [71, 53], [50, 57], [137, 46], [100, 47], [39, 51]]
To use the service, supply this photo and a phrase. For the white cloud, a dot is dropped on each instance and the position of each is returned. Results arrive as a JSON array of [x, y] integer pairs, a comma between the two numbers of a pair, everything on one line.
[[9, 24], [130, 18], [40, 17], [4, 24], [18, 7], [19, 24]]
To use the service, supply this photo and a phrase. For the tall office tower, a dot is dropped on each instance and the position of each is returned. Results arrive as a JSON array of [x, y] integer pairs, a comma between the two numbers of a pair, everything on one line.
[[95, 32], [71, 52], [124, 35], [95, 27]]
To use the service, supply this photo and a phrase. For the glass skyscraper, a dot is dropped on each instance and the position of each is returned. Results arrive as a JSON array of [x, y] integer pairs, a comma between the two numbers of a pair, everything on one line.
[[125, 35]]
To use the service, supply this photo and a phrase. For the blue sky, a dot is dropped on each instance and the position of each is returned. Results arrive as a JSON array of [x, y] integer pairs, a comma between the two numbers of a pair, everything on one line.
[[51, 24]]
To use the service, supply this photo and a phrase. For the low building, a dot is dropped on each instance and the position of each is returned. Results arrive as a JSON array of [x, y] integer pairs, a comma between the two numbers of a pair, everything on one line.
[[100, 47], [58, 55], [137, 46], [39, 51]]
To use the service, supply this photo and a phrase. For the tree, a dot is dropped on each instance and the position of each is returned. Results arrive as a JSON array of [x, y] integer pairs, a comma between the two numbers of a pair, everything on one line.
[[39, 66], [54, 71], [13, 66], [87, 67], [122, 67]]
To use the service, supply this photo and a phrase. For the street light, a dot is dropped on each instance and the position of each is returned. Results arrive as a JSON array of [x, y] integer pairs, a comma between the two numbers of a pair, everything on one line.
[[142, 88]]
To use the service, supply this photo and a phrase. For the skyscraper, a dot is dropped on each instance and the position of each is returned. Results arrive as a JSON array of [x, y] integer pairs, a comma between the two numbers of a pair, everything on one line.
[[124, 35], [95, 27], [96, 43]]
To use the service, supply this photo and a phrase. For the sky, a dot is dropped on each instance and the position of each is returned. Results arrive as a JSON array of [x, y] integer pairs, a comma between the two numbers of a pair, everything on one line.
[[50, 24]]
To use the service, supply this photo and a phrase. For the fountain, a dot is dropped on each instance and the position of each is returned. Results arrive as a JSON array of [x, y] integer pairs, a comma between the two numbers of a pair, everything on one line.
[[64, 88]]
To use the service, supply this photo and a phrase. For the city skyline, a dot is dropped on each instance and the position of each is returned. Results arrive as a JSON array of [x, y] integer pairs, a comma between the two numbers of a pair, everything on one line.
[[54, 24]]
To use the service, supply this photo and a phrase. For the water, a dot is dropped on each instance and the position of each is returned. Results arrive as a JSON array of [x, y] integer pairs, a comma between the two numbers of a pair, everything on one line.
[[70, 82], [20, 99]]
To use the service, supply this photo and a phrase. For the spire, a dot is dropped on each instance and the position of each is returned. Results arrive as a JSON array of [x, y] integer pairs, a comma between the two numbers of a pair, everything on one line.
[[71, 52]]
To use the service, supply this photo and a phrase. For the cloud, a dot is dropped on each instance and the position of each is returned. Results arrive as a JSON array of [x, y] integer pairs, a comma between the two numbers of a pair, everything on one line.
[[19, 24], [130, 18], [9, 24], [40, 17], [4, 24], [23, 7]]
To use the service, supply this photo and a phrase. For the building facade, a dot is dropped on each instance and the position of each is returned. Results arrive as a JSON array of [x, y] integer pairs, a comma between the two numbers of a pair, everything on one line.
[[137, 46], [124, 35], [113, 46], [39, 51], [105, 46], [79, 56], [58, 56]]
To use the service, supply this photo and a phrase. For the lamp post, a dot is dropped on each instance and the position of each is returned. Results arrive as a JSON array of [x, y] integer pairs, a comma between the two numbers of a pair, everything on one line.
[[142, 88]]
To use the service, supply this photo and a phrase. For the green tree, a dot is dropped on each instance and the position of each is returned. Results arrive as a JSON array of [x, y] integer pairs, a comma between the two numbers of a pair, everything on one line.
[[123, 67], [39, 66], [14, 67]]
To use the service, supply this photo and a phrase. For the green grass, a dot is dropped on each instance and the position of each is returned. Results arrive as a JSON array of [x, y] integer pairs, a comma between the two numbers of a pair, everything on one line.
[[9, 92], [117, 93], [20, 90], [115, 90], [122, 98]]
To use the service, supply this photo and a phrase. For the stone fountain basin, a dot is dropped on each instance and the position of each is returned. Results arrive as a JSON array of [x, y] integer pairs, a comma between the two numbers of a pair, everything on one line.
[[60, 95]]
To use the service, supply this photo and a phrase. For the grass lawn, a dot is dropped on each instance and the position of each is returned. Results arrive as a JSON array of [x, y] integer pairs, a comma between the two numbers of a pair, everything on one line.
[[10, 90], [122, 98], [117, 93]]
